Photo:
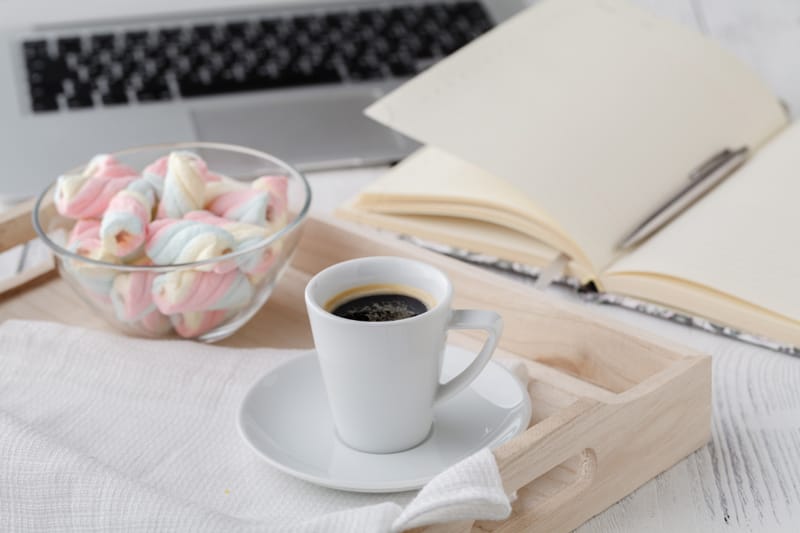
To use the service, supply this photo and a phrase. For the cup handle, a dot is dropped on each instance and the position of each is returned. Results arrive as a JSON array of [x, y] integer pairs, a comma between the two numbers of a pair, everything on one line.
[[488, 321]]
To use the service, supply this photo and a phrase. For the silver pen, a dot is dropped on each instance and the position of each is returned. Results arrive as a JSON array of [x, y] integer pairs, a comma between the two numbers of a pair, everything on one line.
[[701, 180]]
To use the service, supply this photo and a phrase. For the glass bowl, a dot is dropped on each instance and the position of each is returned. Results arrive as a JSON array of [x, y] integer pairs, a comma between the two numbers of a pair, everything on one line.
[[205, 300]]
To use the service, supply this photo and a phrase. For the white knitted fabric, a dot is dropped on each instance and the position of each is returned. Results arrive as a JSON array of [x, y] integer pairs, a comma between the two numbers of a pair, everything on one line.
[[101, 432]]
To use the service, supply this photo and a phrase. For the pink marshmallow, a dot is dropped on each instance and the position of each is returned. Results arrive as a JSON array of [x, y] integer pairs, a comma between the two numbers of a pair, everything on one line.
[[198, 322], [155, 323], [132, 295], [84, 231], [277, 186], [244, 205], [107, 166], [159, 168], [190, 290], [176, 241], [125, 223], [87, 197]]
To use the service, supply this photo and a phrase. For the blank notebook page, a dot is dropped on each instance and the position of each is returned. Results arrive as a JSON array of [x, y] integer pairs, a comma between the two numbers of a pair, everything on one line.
[[743, 238], [596, 109]]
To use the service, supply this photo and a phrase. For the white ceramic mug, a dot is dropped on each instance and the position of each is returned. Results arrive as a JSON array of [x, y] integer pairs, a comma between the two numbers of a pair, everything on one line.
[[382, 378]]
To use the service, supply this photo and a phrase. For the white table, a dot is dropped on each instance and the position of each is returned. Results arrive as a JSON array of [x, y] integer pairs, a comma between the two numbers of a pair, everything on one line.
[[748, 478]]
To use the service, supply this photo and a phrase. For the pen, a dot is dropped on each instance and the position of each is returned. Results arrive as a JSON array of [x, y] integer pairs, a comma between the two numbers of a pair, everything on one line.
[[701, 180]]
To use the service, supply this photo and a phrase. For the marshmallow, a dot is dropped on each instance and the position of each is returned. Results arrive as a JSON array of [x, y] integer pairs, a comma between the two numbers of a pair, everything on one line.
[[84, 240], [191, 290], [196, 323], [160, 165], [245, 236], [157, 168], [133, 303], [86, 195], [173, 242], [244, 205], [116, 210], [155, 323], [106, 166], [79, 196], [277, 187], [85, 234], [154, 173], [184, 187], [132, 295], [223, 186], [124, 226]]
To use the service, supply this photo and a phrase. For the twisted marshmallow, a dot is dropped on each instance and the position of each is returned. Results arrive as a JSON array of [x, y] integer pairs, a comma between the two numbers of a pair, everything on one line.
[[132, 295], [155, 323], [80, 196], [87, 194], [196, 323], [132, 299], [84, 240], [173, 242], [277, 187], [245, 235], [184, 187], [107, 166], [124, 226], [84, 236], [191, 290], [241, 204]]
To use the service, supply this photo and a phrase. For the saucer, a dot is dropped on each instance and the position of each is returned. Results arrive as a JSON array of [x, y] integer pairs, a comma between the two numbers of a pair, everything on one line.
[[285, 418]]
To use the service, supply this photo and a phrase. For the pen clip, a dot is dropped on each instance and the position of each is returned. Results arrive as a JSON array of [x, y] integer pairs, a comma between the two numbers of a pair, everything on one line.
[[714, 162], [701, 180]]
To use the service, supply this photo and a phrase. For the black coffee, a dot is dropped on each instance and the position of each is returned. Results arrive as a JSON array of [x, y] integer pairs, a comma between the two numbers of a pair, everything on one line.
[[380, 307]]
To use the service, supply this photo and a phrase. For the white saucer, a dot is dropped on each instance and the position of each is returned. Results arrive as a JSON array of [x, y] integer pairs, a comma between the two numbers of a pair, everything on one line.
[[285, 418]]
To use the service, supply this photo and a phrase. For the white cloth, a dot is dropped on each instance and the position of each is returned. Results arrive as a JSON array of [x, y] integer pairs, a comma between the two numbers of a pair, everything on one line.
[[102, 432]]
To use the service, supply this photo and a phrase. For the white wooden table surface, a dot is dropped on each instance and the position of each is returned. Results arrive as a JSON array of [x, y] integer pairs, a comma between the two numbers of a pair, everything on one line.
[[748, 477]]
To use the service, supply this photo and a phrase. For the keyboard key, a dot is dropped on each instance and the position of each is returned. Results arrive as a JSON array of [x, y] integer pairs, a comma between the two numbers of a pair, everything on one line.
[[43, 98], [168, 35], [80, 101], [133, 38], [403, 66], [154, 91], [47, 72], [203, 32], [115, 98], [103, 41], [35, 49], [69, 44], [45, 104], [374, 18], [115, 94]]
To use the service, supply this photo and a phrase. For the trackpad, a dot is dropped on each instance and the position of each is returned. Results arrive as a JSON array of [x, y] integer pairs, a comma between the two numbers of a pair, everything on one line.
[[310, 130]]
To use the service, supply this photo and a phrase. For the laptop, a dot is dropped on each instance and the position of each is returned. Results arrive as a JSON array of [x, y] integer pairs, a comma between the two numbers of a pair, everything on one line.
[[291, 78]]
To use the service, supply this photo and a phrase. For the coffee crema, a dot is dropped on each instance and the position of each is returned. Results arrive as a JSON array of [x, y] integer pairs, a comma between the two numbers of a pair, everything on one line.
[[379, 303]]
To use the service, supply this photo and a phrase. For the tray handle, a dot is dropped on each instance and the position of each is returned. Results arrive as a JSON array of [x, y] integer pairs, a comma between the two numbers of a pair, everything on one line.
[[16, 229], [544, 446]]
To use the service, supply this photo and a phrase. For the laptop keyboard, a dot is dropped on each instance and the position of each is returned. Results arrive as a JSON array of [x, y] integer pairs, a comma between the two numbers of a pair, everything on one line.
[[158, 64]]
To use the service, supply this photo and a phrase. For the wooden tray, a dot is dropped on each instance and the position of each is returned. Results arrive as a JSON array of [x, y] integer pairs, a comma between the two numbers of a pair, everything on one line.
[[611, 407]]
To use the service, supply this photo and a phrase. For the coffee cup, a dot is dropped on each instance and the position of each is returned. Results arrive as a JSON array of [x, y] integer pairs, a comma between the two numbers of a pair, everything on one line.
[[380, 326]]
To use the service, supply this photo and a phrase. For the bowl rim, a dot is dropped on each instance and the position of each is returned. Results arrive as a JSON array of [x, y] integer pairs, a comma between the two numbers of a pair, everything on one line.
[[294, 224]]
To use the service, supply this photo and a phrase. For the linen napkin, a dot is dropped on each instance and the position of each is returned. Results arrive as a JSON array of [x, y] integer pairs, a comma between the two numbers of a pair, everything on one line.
[[104, 432]]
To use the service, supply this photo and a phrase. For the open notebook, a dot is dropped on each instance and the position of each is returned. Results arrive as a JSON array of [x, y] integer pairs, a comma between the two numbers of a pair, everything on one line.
[[566, 126]]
